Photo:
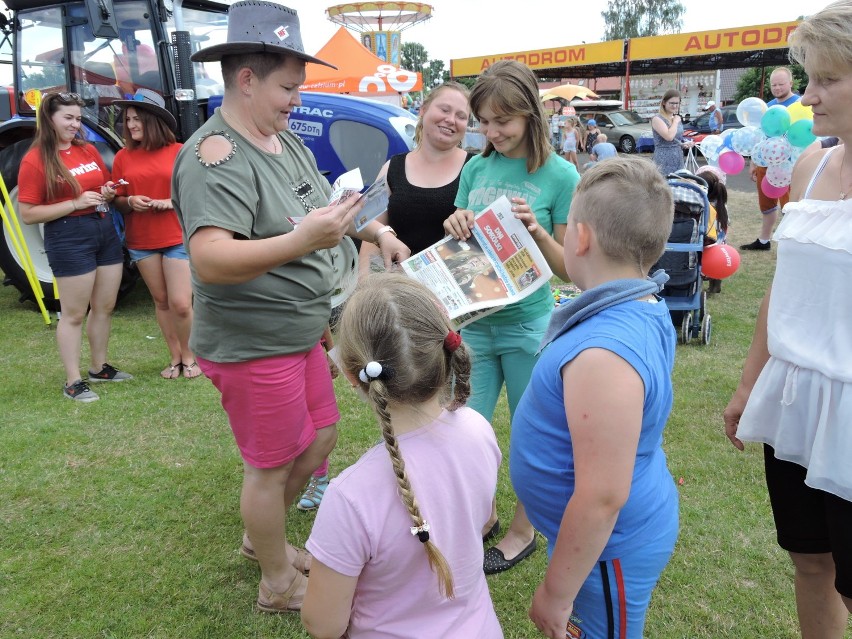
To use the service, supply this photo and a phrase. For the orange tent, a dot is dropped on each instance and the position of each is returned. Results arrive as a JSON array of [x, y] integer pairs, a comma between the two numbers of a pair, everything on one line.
[[359, 72]]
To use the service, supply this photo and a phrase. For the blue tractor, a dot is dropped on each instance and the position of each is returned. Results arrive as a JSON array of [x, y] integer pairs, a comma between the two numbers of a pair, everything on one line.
[[106, 49]]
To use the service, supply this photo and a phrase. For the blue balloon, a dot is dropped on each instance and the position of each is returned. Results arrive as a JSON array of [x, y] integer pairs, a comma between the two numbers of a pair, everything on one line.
[[800, 133], [775, 121]]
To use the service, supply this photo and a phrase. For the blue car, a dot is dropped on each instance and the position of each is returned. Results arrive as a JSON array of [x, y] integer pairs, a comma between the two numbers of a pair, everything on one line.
[[344, 132]]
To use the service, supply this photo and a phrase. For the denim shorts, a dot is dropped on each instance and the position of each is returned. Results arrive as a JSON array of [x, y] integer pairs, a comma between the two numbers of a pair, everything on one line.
[[176, 252], [76, 245]]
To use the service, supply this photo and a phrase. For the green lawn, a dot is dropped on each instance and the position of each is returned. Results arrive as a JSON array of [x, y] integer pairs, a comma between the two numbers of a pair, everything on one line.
[[120, 518]]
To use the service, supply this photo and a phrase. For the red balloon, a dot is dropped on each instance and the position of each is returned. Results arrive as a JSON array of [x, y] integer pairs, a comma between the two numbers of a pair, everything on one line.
[[719, 261], [770, 191]]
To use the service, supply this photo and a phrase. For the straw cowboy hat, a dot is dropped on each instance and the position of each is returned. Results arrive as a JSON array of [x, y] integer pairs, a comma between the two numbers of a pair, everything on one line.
[[149, 101], [255, 26]]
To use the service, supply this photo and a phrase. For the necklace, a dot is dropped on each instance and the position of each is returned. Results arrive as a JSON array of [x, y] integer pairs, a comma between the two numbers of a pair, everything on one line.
[[263, 143], [846, 191]]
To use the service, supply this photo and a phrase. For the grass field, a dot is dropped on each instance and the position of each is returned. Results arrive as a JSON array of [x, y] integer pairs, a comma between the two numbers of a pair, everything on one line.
[[120, 518]]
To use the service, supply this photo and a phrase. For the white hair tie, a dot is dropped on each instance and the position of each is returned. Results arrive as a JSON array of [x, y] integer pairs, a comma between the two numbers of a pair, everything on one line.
[[373, 370]]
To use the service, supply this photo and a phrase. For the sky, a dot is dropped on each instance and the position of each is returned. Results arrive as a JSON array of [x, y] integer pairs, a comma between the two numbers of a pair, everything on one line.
[[472, 28]]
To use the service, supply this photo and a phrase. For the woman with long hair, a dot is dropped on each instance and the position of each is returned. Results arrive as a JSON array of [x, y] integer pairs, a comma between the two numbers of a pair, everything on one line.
[[518, 161], [64, 184], [153, 234], [667, 129]]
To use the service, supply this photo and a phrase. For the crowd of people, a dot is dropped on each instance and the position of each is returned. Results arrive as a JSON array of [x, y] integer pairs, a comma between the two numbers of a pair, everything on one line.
[[233, 229]]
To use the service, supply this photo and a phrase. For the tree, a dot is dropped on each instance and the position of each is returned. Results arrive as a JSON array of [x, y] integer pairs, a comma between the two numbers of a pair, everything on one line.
[[434, 73], [749, 83], [413, 56], [638, 18]]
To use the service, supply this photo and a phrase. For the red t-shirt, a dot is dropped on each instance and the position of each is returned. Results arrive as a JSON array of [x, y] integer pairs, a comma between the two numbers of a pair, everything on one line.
[[149, 173], [85, 164]]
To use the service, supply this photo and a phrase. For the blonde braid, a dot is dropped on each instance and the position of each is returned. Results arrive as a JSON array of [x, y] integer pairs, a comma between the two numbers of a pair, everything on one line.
[[378, 395], [460, 364]]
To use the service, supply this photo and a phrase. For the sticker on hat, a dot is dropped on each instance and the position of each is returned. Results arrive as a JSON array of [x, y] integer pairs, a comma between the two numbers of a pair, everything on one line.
[[249, 32]]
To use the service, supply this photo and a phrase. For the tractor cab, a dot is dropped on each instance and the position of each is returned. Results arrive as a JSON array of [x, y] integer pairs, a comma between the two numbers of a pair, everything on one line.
[[105, 50]]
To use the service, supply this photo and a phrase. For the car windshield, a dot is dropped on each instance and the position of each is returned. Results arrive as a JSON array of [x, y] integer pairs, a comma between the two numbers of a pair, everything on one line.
[[702, 120], [625, 118]]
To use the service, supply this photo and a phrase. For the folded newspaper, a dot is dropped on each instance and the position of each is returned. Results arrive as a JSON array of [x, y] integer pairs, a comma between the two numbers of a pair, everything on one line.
[[499, 264]]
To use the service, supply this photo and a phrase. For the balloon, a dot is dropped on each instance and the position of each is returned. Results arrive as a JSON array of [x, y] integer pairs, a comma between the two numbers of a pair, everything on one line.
[[775, 121], [801, 133], [731, 162], [776, 150], [709, 146], [772, 192], [757, 154], [799, 111], [719, 261], [779, 175], [744, 139], [726, 138], [750, 111], [795, 152]]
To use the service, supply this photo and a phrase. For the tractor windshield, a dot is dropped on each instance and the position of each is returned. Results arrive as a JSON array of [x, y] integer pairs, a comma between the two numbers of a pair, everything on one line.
[[58, 51]]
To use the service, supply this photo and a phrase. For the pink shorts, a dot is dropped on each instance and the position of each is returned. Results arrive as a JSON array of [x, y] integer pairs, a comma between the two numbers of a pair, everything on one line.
[[275, 404]]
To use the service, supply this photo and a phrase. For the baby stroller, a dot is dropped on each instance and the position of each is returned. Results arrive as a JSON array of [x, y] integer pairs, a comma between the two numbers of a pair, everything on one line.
[[684, 293]]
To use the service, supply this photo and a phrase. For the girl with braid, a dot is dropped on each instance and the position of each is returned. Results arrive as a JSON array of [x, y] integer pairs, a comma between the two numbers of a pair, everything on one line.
[[397, 542]]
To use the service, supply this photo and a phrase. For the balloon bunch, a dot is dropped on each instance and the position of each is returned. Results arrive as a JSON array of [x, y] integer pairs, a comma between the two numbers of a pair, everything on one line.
[[773, 136]]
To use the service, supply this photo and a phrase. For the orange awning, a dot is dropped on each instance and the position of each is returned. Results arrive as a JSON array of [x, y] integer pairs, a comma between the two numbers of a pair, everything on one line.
[[359, 71]]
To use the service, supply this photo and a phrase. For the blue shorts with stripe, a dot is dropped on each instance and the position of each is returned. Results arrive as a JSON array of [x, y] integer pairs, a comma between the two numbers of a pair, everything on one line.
[[614, 600]]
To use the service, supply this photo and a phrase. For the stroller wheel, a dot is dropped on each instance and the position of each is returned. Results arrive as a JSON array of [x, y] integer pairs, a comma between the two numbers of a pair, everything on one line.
[[706, 329], [686, 328]]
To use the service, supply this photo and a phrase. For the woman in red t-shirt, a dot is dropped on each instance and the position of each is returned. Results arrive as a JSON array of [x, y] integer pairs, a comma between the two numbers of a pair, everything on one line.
[[62, 183], [152, 230]]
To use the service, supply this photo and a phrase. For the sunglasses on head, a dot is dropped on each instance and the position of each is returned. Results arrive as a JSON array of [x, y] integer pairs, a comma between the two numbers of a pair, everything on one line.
[[70, 98]]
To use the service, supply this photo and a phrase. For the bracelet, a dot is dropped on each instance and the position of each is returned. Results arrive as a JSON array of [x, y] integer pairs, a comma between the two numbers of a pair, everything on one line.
[[382, 231], [74, 204]]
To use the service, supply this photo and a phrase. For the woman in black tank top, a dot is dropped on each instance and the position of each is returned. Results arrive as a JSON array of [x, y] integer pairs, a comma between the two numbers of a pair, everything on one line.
[[424, 181]]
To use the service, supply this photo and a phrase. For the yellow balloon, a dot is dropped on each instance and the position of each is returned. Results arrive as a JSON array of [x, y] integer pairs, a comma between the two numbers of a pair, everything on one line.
[[799, 111]]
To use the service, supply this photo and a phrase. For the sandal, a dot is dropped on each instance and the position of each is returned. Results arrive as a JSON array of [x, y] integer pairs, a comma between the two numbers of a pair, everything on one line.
[[300, 563], [278, 602], [173, 371], [191, 371]]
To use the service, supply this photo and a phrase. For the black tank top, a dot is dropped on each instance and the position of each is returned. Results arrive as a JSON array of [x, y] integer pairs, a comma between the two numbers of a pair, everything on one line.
[[415, 213]]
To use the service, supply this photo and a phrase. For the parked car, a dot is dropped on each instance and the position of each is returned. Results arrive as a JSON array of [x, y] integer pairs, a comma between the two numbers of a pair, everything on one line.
[[623, 128], [695, 130], [698, 128]]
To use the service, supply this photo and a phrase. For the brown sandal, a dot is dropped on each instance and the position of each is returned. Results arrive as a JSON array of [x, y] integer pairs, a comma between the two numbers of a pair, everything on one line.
[[300, 563], [173, 371], [279, 602]]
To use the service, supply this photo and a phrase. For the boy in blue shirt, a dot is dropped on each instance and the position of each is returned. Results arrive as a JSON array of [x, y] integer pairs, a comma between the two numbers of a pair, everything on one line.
[[586, 450]]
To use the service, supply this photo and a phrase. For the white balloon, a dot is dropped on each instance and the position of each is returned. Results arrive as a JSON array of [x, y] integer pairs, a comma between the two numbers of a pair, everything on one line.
[[750, 111]]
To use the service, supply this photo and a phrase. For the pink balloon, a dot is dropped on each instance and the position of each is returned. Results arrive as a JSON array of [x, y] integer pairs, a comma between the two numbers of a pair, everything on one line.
[[770, 191], [731, 162]]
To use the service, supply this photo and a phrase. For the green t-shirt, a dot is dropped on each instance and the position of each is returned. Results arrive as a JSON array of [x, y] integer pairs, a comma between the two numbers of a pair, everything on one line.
[[251, 194], [548, 192]]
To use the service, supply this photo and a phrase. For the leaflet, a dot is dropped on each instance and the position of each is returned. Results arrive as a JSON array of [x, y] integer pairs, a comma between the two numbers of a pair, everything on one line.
[[376, 196], [499, 264]]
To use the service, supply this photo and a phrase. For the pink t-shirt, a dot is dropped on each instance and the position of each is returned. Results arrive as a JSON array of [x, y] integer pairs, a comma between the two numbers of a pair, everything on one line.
[[362, 530]]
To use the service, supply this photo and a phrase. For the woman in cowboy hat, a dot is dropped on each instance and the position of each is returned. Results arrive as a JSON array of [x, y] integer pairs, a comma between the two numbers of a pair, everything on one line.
[[255, 215], [153, 234]]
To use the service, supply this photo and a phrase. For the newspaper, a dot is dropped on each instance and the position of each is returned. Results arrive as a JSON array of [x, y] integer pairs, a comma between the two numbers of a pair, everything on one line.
[[499, 264]]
